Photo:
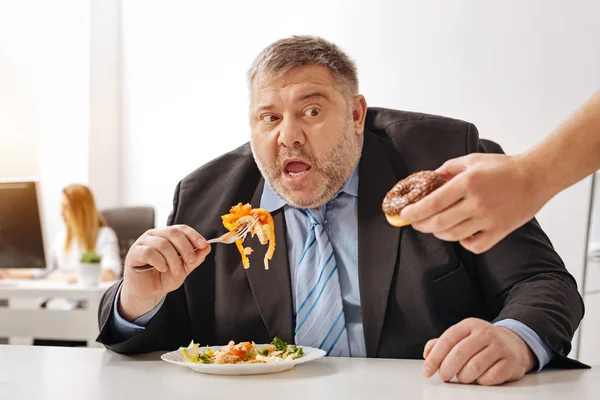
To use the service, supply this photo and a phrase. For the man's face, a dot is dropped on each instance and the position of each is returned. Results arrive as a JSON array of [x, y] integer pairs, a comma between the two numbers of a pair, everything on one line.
[[306, 134]]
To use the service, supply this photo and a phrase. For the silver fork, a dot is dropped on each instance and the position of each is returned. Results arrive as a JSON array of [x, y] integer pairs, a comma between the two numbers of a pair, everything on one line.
[[227, 238]]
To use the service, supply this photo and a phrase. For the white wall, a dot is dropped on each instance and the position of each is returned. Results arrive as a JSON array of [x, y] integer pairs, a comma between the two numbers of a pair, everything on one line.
[[44, 64], [59, 117], [104, 103], [62, 30], [514, 68], [18, 135]]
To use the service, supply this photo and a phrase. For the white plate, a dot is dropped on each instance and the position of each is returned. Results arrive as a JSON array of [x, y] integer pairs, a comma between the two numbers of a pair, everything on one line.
[[176, 357]]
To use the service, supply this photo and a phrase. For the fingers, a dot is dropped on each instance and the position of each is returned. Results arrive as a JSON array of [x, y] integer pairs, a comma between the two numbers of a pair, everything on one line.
[[483, 241], [200, 257], [491, 190], [478, 365], [443, 346], [147, 255], [446, 219], [184, 239], [176, 247], [198, 241], [447, 195], [167, 250], [194, 237], [450, 193], [476, 351], [463, 230], [455, 166], [478, 244], [178, 238], [461, 354], [428, 346], [499, 373]]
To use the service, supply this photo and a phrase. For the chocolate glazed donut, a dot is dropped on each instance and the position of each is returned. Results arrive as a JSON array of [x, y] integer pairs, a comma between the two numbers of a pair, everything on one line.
[[408, 191]]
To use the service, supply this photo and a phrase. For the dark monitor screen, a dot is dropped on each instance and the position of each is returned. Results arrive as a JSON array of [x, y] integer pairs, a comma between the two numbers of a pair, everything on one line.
[[21, 237]]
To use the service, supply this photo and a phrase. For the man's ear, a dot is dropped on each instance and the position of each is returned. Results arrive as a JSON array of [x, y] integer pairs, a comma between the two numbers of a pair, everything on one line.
[[359, 113]]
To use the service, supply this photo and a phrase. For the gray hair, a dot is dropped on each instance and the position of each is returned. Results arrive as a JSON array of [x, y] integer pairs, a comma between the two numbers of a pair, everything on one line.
[[286, 54]]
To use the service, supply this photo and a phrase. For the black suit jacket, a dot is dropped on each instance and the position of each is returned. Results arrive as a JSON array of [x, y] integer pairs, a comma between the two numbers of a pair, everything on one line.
[[412, 285]]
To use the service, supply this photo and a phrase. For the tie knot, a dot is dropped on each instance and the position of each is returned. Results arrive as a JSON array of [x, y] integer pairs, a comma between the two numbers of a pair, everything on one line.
[[314, 217]]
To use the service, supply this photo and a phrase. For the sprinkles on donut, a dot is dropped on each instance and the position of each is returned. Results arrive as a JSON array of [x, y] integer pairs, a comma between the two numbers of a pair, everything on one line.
[[408, 191]]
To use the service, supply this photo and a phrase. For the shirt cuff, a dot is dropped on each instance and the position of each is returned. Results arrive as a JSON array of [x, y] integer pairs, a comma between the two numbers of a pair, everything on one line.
[[542, 352], [124, 329]]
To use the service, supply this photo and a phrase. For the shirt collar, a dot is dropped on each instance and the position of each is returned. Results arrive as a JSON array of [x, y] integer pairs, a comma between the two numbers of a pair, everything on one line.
[[269, 200], [272, 202]]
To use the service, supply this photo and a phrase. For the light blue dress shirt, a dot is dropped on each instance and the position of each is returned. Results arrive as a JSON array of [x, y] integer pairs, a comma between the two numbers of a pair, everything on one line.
[[340, 216]]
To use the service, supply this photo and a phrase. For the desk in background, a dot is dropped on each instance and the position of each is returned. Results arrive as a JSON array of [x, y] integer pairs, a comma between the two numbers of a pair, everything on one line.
[[23, 319]]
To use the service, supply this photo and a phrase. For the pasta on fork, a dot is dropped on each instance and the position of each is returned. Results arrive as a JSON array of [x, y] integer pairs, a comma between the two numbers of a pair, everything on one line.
[[264, 229]]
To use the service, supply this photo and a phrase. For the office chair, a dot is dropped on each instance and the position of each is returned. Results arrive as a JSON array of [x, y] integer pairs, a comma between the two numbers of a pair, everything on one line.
[[129, 223]]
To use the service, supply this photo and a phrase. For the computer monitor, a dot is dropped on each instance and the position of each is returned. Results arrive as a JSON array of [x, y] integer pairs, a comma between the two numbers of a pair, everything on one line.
[[21, 235]]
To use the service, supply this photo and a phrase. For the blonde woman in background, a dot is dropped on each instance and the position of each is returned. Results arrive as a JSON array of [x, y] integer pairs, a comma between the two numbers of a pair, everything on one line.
[[85, 230]]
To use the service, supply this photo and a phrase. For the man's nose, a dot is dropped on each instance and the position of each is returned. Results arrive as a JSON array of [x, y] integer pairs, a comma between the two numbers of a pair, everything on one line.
[[290, 133]]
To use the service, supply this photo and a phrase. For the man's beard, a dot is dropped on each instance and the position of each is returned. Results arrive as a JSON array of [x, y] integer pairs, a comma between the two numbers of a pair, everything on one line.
[[331, 171]]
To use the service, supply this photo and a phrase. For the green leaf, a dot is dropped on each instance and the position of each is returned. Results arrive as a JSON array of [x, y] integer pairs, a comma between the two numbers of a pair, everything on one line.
[[296, 351], [91, 257], [205, 358], [279, 344]]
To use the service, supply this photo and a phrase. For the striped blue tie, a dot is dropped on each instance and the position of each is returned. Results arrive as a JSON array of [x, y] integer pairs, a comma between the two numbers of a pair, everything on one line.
[[320, 321]]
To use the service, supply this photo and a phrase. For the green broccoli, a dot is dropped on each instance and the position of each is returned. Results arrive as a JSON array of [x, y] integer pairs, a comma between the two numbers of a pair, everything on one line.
[[205, 358], [263, 352], [279, 344], [292, 349]]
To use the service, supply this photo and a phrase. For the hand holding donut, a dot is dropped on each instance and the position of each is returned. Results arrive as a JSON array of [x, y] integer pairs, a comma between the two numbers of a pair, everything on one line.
[[486, 198], [408, 191], [491, 195]]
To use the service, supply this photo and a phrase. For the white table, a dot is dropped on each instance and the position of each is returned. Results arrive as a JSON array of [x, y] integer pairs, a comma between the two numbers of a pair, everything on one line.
[[23, 318], [54, 373]]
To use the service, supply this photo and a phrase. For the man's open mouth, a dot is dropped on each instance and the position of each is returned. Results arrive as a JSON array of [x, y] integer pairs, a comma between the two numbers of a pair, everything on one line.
[[296, 168]]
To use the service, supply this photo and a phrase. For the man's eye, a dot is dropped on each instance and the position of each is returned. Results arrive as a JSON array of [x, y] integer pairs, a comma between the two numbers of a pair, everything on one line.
[[269, 118], [312, 112]]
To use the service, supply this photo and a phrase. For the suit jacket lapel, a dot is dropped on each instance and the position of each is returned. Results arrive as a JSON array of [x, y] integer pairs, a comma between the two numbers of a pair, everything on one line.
[[272, 289], [378, 241]]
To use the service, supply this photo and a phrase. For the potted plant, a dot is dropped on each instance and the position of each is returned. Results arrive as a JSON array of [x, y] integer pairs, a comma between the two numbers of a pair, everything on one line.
[[90, 270]]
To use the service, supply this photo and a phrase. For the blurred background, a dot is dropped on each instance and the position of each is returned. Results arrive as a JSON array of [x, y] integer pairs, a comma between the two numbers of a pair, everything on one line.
[[129, 96]]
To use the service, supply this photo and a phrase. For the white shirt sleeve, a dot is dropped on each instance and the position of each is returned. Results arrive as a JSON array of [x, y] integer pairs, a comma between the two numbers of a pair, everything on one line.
[[107, 246]]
